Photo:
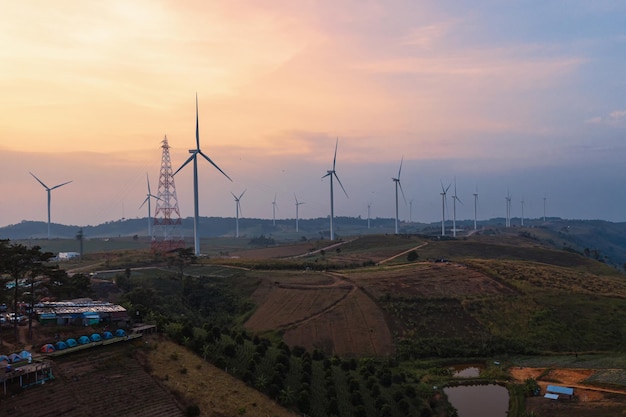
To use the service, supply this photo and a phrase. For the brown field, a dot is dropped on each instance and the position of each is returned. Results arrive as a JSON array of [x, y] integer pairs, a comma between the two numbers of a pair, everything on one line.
[[354, 327], [588, 401], [428, 280], [324, 312]]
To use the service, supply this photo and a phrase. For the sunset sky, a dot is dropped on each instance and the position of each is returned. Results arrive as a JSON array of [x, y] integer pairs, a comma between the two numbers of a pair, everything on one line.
[[528, 96]]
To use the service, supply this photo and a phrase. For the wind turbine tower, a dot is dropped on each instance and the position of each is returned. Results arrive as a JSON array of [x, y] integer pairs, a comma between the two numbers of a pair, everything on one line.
[[48, 190], [398, 184], [508, 209], [167, 214], [369, 206], [194, 157], [544, 207], [332, 173], [274, 207], [522, 210], [297, 210], [475, 207], [237, 209], [455, 198], [443, 193], [148, 199]]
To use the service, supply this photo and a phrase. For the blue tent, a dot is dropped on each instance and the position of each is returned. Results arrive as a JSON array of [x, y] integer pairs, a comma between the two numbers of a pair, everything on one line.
[[26, 354], [83, 340], [95, 337], [4, 358], [47, 348], [14, 357], [120, 333], [61, 345], [107, 335], [71, 342]]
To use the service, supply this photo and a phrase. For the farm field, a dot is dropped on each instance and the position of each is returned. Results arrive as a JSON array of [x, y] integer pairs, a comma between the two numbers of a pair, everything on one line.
[[428, 280], [324, 312]]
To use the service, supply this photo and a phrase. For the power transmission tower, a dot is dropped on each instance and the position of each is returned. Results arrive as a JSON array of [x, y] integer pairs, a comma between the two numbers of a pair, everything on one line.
[[166, 215]]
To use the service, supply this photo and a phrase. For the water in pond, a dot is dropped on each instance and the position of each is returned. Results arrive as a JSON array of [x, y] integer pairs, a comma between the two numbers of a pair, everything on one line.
[[466, 371], [479, 400]]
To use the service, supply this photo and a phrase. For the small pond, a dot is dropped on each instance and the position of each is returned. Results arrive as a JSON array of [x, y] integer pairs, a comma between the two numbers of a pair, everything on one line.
[[479, 400], [467, 371]]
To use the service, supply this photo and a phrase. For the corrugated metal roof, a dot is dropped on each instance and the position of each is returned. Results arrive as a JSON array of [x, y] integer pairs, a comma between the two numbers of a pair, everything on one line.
[[560, 390], [79, 306]]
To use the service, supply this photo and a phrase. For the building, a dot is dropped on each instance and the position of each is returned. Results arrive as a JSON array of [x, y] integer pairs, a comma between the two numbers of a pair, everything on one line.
[[81, 312]]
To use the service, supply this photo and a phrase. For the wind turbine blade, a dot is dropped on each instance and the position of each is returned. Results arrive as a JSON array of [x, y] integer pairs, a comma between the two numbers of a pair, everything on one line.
[[327, 174], [60, 185], [197, 128], [241, 195], [458, 199], [144, 202], [447, 188], [193, 155], [148, 181], [402, 192], [234, 196], [400, 170], [339, 181], [213, 163], [335, 157], [40, 182]]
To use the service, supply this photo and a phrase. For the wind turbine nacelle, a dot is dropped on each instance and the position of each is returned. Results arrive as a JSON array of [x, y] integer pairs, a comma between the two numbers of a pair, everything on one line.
[[192, 150]]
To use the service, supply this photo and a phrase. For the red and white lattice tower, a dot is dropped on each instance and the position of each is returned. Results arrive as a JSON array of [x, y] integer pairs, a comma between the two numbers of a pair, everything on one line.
[[167, 233]]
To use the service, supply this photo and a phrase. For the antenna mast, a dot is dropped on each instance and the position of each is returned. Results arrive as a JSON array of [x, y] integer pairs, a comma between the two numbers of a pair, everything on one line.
[[166, 215]]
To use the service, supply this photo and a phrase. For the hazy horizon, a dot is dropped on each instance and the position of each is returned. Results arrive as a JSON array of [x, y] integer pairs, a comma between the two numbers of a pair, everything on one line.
[[526, 97]]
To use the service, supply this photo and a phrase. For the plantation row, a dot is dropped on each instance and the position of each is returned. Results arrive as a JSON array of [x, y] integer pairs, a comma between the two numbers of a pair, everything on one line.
[[312, 383]]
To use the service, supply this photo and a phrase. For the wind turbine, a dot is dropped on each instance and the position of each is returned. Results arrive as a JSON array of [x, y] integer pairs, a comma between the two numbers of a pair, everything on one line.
[[411, 211], [237, 209], [194, 157], [297, 207], [48, 190], [398, 184], [443, 208], [508, 208], [455, 198], [522, 210], [274, 207], [369, 206], [332, 173], [544, 207], [475, 206], [149, 196]]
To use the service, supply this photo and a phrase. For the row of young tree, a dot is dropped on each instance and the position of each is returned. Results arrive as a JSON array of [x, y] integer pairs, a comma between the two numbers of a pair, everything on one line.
[[27, 275]]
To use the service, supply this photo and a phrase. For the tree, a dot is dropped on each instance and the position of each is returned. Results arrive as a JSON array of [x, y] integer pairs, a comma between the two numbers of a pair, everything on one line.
[[22, 263], [181, 257], [412, 256]]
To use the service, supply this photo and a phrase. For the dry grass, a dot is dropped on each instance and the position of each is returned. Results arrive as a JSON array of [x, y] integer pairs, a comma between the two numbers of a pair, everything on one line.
[[217, 393]]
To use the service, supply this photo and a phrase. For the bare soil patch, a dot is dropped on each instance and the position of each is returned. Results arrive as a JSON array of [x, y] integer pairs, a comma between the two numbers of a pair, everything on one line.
[[588, 400]]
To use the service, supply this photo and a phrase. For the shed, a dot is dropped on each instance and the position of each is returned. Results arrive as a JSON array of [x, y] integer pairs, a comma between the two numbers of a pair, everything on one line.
[[559, 391], [83, 340], [71, 342]]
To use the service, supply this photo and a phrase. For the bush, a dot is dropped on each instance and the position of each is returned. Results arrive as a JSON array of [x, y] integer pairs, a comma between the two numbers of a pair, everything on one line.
[[412, 256]]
